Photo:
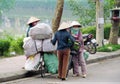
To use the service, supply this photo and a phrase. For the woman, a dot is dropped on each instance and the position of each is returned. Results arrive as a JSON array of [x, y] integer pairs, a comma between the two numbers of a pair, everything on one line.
[[31, 22], [79, 58], [64, 41]]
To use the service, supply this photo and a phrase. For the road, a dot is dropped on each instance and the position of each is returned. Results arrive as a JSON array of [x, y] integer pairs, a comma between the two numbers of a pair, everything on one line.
[[104, 72]]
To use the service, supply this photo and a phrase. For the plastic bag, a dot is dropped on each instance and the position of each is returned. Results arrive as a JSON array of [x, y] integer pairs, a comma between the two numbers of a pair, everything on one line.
[[51, 62], [86, 54]]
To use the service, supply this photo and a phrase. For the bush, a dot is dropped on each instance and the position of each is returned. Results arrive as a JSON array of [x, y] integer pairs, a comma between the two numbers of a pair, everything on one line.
[[16, 46], [89, 30], [108, 48], [4, 46], [10, 44], [107, 28], [92, 30]]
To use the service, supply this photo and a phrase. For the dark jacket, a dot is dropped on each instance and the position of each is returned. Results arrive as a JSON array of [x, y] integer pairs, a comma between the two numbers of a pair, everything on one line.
[[64, 39]]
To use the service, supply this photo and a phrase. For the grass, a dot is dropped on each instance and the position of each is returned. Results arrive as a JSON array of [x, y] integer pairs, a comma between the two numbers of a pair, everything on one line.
[[108, 48]]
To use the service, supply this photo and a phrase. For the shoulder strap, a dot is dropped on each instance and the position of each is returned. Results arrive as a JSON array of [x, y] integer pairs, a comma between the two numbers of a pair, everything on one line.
[[41, 46], [41, 52], [36, 46]]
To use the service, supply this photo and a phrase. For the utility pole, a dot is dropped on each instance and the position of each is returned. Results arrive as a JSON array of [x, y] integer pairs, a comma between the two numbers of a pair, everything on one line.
[[99, 22]]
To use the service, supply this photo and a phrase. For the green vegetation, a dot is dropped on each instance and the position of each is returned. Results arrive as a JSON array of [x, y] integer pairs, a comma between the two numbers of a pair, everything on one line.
[[86, 10], [108, 48], [92, 30], [5, 5], [89, 29], [107, 28], [10, 44], [16, 45], [4, 46], [44, 9]]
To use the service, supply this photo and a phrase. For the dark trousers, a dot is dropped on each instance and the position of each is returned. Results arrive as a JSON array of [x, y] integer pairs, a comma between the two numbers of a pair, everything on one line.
[[63, 57]]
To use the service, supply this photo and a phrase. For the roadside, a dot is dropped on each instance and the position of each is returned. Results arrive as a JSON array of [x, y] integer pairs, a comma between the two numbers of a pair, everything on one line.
[[11, 68]]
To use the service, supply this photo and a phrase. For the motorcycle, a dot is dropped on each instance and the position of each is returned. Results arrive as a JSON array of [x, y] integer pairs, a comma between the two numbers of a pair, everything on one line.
[[90, 43]]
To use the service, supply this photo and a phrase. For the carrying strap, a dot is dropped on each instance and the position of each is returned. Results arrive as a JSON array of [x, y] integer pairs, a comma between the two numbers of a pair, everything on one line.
[[40, 53], [35, 46], [41, 47]]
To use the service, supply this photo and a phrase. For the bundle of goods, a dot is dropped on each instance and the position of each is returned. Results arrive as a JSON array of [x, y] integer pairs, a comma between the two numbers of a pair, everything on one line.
[[39, 41], [33, 62], [41, 31], [31, 46], [51, 62]]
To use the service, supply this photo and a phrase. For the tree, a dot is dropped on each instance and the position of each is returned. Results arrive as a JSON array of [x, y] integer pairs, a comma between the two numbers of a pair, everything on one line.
[[83, 8], [58, 14], [5, 5], [86, 8], [117, 3], [113, 39]]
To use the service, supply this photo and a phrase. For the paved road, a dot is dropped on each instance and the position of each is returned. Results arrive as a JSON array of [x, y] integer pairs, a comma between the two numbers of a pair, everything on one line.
[[104, 72]]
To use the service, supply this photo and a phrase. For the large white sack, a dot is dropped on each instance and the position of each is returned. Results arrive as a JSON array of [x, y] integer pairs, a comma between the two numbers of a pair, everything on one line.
[[48, 46], [33, 62], [29, 46], [41, 31]]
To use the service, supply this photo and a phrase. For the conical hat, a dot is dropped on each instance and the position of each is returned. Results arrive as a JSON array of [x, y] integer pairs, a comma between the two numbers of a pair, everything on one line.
[[32, 19], [64, 25], [75, 23]]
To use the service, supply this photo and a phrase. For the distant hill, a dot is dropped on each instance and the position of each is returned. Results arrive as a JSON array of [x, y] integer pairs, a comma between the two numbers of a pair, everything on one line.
[[16, 18], [41, 8]]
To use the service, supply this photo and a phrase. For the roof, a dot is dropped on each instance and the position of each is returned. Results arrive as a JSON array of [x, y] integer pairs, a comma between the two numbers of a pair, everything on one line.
[[115, 8]]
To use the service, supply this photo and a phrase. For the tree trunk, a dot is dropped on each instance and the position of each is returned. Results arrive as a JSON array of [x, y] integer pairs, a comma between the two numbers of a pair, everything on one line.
[[58, 14], [113, 39], [117, 3]]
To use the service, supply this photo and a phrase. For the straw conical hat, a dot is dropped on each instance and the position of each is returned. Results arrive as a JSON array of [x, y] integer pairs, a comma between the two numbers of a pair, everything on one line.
[[32, 19], [75, 23], [64, 25]]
